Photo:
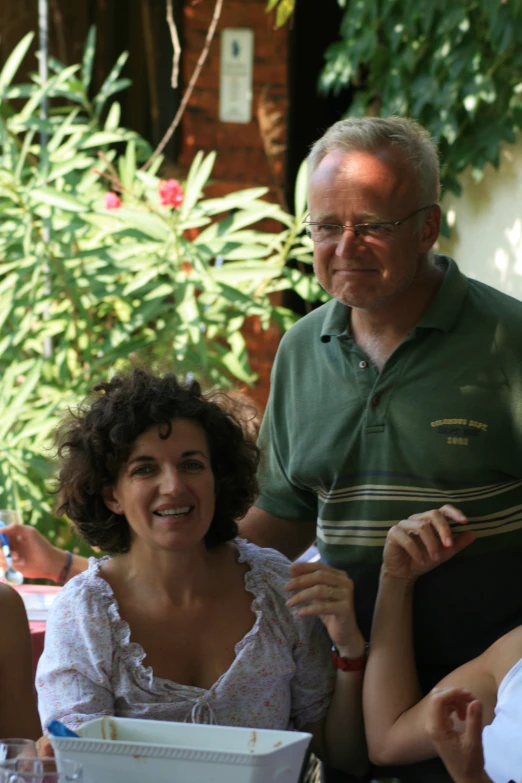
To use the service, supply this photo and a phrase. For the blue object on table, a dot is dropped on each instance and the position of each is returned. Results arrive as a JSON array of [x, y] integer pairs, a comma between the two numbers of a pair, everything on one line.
[[11, 576], [57, 729]]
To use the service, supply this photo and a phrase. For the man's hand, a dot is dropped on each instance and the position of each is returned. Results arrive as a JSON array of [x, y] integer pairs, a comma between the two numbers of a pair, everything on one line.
[[461, 751], [423, 541], [326, 592], [33, 554]]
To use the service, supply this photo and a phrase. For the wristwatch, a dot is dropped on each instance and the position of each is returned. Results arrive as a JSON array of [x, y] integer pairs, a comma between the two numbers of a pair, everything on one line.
[[349, 664]]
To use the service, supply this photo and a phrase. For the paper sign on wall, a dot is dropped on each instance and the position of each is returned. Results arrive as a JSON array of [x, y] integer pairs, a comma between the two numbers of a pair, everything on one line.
[[235, 84]]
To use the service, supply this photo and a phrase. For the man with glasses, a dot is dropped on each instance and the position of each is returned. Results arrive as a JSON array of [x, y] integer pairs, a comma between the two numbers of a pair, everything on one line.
[[401, 394]]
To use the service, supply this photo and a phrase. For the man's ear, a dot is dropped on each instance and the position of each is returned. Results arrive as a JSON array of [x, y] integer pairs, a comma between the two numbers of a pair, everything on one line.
[[431, 228], [111, 501]]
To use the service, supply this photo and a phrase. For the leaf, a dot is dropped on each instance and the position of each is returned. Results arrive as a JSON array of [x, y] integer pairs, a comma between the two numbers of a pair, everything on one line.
[[127, 165], [77, 163], [234, 273], [140, 281], [17, 399], [55, 198], [102, 138], [239, 369], [67, 127], [108, 84], [284, 10], [300, 194], [113, 117], [88, 58], [197, 179], [146, 222], [237, 200], [13, 62], [34, 102]]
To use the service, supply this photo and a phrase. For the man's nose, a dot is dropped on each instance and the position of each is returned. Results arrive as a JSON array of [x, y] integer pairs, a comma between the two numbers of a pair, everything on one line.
[[347, 242]]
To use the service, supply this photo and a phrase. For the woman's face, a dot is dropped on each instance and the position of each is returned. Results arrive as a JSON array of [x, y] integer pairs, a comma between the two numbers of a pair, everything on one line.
[[166, 488]]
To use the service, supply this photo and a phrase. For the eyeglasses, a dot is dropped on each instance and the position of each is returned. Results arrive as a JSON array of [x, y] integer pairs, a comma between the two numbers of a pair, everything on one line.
[[332, 232]]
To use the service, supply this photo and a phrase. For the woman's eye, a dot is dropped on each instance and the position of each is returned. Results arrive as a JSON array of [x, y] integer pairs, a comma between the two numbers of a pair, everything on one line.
[[142, 470], [193, 465]]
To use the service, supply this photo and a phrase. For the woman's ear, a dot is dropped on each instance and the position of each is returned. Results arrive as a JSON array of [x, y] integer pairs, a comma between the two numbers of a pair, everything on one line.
[[111, 501]]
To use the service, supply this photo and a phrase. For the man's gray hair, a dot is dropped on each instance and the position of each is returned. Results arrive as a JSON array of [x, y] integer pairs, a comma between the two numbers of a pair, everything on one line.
[[370, 134]]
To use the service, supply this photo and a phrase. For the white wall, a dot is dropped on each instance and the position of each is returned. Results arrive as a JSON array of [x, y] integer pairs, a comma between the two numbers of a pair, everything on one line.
[[487, 232]]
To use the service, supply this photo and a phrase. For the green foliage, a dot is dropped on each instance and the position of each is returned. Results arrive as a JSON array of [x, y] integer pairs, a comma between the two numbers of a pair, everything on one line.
[[284, 10], [84, 288], [454, 65]]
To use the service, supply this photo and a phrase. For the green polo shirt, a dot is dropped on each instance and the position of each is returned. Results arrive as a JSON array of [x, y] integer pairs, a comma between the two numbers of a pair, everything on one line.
[[357, 450]]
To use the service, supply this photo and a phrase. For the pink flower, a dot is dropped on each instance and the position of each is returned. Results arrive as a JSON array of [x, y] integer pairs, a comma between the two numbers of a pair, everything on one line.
[[112, 200], [170, 193]]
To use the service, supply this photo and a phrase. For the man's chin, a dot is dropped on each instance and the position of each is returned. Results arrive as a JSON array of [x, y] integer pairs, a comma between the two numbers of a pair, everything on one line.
[[358, 299]]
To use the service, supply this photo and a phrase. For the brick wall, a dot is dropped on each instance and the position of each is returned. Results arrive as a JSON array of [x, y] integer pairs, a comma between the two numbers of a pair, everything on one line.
[[250, 154]]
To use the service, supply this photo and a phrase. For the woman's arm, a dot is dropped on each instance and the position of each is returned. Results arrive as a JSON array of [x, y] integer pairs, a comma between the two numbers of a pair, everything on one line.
[[327, 593], [18, 713], [395, 713]]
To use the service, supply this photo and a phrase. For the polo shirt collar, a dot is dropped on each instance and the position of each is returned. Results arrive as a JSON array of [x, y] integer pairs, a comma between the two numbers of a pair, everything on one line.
[[445, 309], [336, 321], [441, 314]]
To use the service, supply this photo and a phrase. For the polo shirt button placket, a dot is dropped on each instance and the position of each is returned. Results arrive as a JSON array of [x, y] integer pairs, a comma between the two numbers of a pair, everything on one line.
[[363, 364]]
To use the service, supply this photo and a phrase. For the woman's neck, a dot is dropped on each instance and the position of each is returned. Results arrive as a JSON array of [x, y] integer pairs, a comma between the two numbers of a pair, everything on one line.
[[177, 577]]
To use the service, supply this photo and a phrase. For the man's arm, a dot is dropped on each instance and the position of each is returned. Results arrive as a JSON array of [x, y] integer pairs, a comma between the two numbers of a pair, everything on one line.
[[288, 536]]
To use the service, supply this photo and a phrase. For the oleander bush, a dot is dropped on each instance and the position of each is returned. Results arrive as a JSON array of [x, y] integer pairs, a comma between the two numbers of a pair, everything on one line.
[[102, 261]]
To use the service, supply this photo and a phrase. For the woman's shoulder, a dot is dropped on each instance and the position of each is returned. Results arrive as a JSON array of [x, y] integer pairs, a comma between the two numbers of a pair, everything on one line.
[[266, 561], [504, 655], [86, 590]]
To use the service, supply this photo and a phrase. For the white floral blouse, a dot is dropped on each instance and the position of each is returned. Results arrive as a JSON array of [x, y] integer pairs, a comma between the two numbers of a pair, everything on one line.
[[281, 677]]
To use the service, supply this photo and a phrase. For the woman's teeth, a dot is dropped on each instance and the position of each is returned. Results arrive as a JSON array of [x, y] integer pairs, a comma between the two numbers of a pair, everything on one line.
[[174, 512]]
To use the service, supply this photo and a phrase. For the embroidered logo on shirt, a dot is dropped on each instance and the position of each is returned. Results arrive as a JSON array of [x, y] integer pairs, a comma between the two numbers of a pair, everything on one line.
[[458, 432]]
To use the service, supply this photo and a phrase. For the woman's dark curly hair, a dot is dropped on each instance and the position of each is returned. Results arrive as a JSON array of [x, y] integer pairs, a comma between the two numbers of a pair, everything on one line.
[[97, 439]]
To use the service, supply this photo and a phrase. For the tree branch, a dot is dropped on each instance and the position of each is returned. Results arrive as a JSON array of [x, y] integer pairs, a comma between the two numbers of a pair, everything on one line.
[[192, 83], [175, 45]]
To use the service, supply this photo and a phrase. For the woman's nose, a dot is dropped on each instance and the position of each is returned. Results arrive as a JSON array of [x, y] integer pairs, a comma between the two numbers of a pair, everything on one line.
[[171, 482]]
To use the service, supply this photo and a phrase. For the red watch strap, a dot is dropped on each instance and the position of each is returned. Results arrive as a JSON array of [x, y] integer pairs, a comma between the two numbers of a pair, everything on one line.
[[348, 664]]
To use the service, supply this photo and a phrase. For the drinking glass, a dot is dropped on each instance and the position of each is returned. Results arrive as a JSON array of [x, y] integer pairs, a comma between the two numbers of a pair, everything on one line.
[[16, 747], [11, 575], [10, 517], [42, 770]]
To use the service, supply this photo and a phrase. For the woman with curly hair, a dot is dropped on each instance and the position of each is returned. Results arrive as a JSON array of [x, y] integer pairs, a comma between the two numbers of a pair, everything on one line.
[[186, 621]]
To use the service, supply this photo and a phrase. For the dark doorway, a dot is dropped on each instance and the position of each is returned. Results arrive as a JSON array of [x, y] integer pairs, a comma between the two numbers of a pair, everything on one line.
[[315, 26], [140, 27]]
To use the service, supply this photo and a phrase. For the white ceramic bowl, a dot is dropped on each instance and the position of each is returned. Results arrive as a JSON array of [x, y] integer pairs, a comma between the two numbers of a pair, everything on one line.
[[148, 751]]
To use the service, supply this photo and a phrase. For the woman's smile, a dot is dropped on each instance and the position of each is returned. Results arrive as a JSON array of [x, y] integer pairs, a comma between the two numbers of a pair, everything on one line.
[[166, 488]]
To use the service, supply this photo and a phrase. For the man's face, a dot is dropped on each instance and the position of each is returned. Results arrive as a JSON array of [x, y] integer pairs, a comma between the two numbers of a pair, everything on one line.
[[362, 187]]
